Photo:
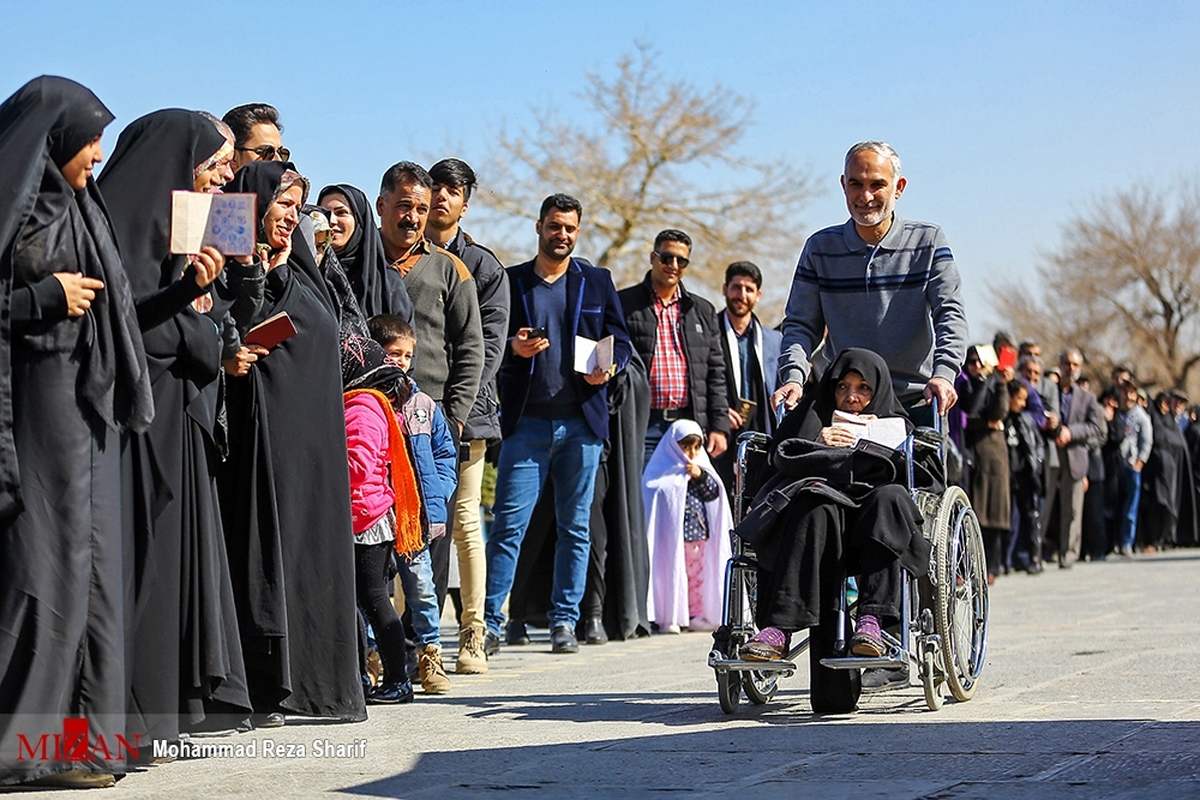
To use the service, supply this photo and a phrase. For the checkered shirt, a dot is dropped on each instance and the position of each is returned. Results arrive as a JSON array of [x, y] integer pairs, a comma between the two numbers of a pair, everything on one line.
[[668, 370]]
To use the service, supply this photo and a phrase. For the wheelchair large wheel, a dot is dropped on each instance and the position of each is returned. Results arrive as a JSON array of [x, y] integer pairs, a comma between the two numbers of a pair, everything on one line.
[[830, 691], [961, 603]]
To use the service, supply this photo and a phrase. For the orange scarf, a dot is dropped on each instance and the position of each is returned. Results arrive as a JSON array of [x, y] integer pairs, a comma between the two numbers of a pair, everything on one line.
[[409, 539]]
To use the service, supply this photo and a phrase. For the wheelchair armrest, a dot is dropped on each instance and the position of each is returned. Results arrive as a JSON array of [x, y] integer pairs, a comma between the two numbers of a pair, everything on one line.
[[754, 439], [928, 437]]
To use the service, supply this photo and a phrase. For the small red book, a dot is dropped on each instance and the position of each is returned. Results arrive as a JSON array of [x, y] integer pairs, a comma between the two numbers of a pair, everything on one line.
[[271, 331]]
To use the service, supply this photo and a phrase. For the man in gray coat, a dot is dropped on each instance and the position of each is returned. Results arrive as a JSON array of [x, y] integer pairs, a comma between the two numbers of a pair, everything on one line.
[[1081, 423]]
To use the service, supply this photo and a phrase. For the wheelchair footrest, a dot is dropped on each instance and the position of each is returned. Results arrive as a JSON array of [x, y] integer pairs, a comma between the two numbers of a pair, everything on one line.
[[855, 662], [719, 662]]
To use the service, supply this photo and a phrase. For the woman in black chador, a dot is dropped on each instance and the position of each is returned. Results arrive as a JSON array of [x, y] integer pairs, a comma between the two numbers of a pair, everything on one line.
[[285, 491], [378, 288], [73, 383], [186, 657], [850, 513]]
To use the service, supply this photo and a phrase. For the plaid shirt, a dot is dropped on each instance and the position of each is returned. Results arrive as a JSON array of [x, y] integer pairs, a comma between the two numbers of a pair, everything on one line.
[[668, 369]]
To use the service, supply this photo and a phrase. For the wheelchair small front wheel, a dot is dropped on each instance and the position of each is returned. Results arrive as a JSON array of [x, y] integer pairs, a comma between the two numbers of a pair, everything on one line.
[[760, 686], [931, 681], [729, 690]]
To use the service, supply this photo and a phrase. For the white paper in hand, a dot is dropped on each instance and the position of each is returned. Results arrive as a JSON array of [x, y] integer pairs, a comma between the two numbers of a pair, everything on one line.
[[590, 354], [225, 221], [887, 431]]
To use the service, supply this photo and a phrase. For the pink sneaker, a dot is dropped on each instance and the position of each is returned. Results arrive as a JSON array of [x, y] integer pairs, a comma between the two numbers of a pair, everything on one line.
[[868, 639], [769, 644]]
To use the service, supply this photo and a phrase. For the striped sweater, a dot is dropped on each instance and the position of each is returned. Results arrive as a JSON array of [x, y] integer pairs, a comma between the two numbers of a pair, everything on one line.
[[901, 298]]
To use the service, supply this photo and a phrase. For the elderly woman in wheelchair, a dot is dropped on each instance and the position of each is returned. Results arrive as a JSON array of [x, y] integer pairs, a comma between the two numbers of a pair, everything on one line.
[[850, 490], [841, 517]]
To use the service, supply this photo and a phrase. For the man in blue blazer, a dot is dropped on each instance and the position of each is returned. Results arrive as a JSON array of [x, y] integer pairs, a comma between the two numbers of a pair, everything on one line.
[[554, 420], [751, 352]]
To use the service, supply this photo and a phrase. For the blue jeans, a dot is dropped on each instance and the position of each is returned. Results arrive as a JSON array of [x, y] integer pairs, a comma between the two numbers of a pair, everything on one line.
[[568, 452], [417, 579], [1132, 489]]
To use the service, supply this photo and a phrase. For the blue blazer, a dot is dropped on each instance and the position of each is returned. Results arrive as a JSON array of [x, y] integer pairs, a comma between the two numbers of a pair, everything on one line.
[[595, 313]]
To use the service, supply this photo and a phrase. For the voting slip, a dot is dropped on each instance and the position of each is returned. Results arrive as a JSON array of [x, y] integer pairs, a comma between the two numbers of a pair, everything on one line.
[[590, 354], [225, 221], [887, 431]]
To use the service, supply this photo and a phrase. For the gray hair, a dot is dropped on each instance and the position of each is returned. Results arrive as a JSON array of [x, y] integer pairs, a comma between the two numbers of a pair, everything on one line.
[[219, 124], [1027, 360], [882, 148]]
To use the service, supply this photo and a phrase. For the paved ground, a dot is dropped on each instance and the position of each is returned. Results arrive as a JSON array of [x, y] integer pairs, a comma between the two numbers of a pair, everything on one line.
[[1087, 694]]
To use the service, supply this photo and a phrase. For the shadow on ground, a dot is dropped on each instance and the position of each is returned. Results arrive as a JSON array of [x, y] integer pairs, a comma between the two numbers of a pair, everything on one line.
[[845, 757]]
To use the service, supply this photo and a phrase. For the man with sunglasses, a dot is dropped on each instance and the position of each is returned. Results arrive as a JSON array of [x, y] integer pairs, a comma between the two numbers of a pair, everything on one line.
[[256, 134], [679, 339]]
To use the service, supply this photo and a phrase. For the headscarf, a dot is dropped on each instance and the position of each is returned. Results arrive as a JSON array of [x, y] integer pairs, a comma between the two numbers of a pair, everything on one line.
[[155, 155], [42, 127], [362, 257], [365, 365], [267, 180], [664, 494], [367, 370], [351, 321], [816, 408]]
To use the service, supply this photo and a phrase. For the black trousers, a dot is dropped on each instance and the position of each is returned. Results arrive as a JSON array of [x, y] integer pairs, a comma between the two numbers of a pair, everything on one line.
[[804, 562], [372, 577]]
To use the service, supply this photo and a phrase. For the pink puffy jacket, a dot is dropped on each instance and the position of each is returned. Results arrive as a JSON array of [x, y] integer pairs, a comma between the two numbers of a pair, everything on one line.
[[371, 493]]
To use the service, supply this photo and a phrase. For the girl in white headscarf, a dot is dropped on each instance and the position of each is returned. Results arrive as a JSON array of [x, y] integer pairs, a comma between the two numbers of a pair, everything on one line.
[[688, 523]]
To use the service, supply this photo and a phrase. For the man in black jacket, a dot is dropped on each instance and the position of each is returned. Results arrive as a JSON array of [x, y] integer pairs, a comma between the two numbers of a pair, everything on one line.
[[453, 182], [679, 339]]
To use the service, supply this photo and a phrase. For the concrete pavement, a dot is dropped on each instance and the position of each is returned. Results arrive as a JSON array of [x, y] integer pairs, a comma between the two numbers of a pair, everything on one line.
[[1087, 694]]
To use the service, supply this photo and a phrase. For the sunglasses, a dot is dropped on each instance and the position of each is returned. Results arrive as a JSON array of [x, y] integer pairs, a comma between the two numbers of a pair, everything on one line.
[[267, 152], [670, 258]]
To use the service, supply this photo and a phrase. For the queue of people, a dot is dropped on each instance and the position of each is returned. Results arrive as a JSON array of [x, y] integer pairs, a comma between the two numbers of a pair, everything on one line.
[[1058, 474], [200, 531]]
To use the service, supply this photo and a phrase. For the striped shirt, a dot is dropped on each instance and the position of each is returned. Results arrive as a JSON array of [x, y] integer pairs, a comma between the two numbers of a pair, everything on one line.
[[668, 368], [901, 298]]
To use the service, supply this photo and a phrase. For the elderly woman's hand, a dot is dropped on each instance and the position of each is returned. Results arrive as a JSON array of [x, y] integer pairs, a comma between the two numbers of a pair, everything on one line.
[[836, 436]]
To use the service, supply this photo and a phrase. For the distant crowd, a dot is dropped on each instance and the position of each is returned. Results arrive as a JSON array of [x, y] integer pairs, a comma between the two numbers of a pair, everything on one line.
[[1120, 482]]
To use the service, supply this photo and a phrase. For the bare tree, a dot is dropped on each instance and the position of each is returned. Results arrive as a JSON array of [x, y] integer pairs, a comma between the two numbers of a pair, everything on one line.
[[656, 153], [1123, 285]]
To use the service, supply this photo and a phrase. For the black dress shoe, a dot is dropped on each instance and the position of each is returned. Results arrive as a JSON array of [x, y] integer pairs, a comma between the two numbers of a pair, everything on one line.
[[593, 631], [491, 644], [515, 633], [562, 640], [272, 720], [392, 693], [879, 679]]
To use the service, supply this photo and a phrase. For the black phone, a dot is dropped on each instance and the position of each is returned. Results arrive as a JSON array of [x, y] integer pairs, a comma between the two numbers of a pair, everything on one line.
[[536, 333]]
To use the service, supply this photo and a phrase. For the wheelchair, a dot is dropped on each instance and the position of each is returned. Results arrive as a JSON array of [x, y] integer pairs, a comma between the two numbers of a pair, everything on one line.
[[944, 615]]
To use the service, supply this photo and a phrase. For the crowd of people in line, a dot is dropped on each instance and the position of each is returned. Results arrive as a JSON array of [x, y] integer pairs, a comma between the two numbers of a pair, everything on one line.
[[200, 532], [1058, 473]]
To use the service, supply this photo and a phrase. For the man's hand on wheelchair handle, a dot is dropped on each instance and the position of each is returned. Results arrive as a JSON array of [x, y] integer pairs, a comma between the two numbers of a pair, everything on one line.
[[788, 394], [943, 390]]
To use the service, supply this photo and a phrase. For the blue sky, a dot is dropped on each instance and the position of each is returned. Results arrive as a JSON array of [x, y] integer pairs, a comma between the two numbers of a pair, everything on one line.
[[1009, 117]]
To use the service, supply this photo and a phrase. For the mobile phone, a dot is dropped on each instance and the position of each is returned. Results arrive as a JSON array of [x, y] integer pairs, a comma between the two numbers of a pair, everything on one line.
[[536, 333]]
